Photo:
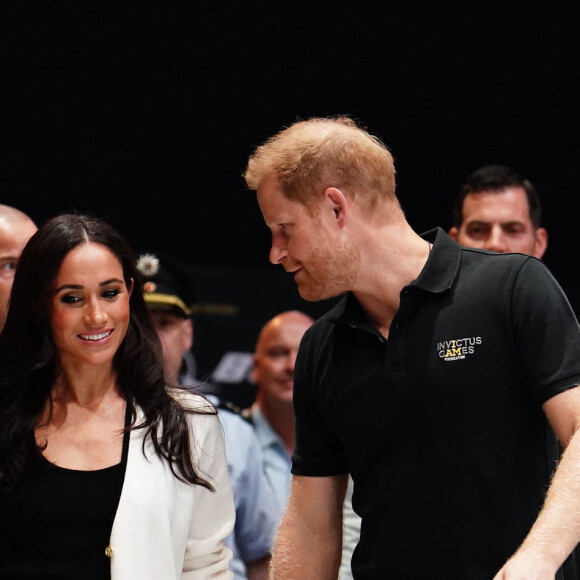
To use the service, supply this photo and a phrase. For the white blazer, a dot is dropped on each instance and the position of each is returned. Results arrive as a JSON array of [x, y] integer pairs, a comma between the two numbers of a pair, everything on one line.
[[165, 529]]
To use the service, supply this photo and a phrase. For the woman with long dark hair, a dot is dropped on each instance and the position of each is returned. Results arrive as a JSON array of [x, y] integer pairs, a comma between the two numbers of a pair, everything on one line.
[[105, 471]]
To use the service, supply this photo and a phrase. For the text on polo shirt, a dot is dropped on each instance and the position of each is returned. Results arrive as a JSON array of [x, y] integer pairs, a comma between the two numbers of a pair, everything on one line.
[[457, 348]]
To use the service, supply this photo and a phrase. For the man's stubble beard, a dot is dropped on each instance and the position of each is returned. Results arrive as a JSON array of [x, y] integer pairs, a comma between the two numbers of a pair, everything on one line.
[[329, 271]]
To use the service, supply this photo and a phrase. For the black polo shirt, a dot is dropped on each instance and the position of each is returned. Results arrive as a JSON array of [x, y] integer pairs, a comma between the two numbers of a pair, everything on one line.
[[441, 425]]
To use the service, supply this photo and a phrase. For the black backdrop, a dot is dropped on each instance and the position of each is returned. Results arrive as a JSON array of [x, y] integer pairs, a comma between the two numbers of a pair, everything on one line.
[[144, 113]]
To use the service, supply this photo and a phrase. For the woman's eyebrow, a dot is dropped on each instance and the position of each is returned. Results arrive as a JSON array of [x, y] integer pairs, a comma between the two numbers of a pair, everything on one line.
[[80, 287]]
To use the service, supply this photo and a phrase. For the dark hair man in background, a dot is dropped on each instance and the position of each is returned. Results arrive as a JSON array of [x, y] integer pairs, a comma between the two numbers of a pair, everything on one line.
[[497, 209], [16, 228], [427, 382]]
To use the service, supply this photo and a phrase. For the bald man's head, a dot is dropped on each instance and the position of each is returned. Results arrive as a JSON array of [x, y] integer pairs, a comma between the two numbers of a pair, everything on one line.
[[16, 228], [275, 356]]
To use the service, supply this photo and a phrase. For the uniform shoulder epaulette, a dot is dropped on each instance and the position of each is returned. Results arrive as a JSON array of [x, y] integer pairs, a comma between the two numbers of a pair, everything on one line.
[[229, 406], [247, 415]]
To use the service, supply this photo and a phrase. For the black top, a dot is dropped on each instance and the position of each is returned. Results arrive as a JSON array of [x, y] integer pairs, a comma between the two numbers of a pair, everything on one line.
[[56, 523], [441, 425]]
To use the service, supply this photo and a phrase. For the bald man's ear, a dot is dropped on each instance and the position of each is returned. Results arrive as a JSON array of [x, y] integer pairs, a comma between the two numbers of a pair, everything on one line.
[[541, 243], [454, 233], [253, 372]]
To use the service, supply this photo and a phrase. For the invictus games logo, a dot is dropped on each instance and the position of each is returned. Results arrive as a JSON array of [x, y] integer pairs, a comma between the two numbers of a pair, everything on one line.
[[458, 348]]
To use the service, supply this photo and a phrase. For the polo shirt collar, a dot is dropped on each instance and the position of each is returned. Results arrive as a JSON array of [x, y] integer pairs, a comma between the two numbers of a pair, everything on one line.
[[441, 268], [436, 276]]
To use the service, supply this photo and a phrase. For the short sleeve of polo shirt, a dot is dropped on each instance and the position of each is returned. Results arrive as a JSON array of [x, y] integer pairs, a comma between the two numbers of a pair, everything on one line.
[[546, 332], [317, 451]]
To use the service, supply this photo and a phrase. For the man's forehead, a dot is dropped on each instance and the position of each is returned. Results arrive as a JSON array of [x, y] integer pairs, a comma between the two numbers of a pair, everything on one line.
[[276, 207], [511, 204], [14, 236], [269, 191], [11, 248], [513, 193], [287, 331]]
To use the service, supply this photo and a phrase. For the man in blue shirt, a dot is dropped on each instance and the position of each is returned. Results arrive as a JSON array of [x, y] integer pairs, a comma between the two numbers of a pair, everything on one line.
[[273, 415]]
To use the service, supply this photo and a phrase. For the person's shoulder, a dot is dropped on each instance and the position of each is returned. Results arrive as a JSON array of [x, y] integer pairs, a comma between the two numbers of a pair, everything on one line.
[[190, 401], [239, 434], [200, 414], [487, 263], [487, 256], [229, 408], [234, 421]]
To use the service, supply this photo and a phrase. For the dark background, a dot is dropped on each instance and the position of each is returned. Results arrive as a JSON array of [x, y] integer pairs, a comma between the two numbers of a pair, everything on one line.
[[144, 114]]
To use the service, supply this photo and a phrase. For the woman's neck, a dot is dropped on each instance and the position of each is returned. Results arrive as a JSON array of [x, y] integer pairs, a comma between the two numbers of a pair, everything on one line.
[[84, 385]]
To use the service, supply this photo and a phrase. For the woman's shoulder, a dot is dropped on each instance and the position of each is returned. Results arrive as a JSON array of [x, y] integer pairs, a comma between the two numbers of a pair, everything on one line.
[[191, 402], [202, 418]]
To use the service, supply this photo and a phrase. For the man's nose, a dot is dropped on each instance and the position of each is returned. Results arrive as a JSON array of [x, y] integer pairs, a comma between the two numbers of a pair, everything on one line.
[[278, 251], [496, 240]]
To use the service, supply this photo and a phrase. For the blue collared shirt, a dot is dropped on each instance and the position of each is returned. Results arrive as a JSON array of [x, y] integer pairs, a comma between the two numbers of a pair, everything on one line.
[[277, 460]]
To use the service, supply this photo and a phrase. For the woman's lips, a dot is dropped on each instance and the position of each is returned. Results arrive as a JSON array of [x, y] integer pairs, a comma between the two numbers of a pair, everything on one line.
[[96, 337]]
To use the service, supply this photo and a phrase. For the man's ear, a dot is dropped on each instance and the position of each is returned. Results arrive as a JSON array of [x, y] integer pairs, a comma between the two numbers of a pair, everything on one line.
[[253, 372], [541, 243], [454, 232], [338, 203], [187, 336]]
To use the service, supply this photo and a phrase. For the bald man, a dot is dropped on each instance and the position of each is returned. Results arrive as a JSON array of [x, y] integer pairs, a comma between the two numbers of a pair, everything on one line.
[[16, 228], [273, 415]]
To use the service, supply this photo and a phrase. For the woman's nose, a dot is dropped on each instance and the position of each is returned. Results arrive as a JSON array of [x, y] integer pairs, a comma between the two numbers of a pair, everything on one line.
[[95, 315]]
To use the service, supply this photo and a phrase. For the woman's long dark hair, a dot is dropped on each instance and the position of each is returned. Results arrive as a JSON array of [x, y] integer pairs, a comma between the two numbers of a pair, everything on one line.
[[28, 360]]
